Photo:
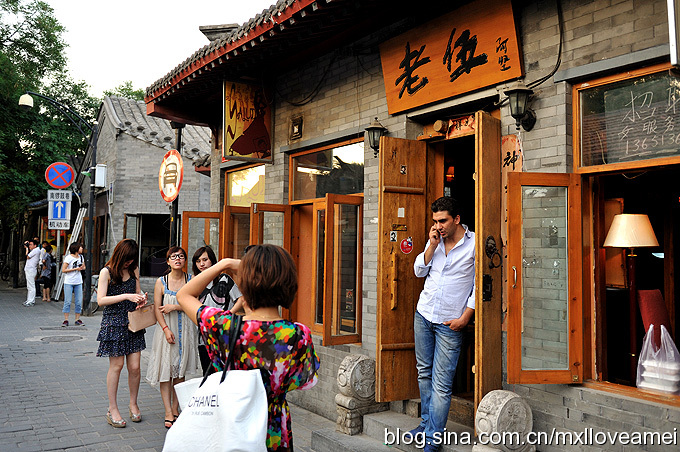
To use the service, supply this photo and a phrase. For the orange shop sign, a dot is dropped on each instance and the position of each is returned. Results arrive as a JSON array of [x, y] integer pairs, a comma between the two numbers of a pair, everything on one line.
[[473, 47], [170, 175]]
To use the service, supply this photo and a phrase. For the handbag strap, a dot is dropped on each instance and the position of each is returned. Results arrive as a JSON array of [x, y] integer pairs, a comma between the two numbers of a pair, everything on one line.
[[234, 334]]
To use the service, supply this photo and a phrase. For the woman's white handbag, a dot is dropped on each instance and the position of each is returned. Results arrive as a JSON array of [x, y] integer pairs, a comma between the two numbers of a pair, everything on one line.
[[228, 412]]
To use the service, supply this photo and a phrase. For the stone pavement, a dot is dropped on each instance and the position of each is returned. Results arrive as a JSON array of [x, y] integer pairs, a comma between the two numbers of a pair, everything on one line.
[[53, 387]]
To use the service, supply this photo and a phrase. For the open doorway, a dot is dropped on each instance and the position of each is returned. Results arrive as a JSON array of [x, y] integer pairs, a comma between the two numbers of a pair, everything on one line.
[[458, 179], [654, 193]]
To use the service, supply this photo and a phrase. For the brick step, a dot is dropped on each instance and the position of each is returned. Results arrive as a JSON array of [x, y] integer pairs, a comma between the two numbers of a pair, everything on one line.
[[376, 425]]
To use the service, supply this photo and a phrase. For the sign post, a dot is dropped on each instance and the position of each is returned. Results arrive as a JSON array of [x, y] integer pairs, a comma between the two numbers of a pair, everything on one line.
[[170, 178]]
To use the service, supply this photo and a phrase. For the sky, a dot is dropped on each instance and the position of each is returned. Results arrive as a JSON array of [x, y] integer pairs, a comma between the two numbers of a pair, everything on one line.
[[140, 40]]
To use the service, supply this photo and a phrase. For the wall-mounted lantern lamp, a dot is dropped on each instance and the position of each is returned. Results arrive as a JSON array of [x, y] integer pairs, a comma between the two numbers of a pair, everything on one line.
[[375, 131], [518, 95]]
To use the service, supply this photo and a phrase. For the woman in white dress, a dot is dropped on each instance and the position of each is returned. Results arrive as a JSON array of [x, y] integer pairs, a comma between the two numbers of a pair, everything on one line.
[[174, 353]]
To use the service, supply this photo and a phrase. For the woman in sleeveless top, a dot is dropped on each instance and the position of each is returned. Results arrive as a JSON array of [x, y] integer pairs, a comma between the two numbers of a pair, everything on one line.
[[175, 342], [119, 292]]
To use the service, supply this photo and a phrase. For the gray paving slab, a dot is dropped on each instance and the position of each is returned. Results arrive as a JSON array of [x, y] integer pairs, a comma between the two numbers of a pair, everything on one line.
[[53, 387]]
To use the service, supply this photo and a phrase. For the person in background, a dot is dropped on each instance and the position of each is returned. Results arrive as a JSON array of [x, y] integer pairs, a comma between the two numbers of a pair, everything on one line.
[[31, 270], [268, 280], [119, 292], [43, 248], [219, 293], [46, 274], [446, 305], [73, 264], [174, 353]]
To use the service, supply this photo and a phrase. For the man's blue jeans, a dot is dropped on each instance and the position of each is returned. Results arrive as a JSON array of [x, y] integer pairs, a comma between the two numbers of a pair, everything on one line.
[[437, 351]]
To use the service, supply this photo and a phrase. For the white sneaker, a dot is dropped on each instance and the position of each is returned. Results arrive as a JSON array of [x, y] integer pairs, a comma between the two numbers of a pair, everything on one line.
[[29, 303]]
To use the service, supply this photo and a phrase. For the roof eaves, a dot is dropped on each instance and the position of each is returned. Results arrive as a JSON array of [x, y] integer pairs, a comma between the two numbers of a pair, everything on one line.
[[218, 51]]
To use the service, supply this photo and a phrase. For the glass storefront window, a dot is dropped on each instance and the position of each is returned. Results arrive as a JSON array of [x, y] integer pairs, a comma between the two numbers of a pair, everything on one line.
[[337, 170], [246, 186]]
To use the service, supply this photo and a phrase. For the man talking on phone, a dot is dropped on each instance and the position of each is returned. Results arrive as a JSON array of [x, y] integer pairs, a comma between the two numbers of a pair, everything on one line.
[[446, 305]]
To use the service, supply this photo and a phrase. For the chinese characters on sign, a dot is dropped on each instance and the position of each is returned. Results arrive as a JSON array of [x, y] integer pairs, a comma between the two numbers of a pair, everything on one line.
[[247, 123], [472, 47], [632, 120], [461, 126], [407, 76]]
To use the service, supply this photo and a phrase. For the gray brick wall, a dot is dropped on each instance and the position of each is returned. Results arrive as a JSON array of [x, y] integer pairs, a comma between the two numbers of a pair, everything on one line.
[[573, 408], [593, 31], [132, 165]]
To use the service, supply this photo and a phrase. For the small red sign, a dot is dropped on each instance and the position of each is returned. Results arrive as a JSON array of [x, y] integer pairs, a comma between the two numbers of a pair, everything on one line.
[[170, 175], [406, 245], [59, 175]]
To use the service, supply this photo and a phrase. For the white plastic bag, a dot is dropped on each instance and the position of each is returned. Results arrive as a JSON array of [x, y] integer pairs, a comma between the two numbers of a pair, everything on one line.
[[230, 416], [659, 369]]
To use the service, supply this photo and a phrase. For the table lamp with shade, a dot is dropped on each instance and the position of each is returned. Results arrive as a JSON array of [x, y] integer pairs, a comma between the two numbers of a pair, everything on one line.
[[631, 231]]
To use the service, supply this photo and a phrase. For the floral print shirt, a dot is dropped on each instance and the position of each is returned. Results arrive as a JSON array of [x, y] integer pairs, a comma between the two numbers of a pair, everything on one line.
[[281, 347]]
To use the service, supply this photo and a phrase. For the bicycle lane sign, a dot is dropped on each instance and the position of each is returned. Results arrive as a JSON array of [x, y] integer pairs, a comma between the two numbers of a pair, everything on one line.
[[59, 175]]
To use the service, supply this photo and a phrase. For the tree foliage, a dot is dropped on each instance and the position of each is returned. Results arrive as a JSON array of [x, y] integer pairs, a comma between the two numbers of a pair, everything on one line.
[[127, 91], [32, 59]]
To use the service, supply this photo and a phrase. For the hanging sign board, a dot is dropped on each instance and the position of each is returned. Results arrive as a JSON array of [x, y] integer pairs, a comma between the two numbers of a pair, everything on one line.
[[59, 175], [170, 175], [247, 124], [473, 47]]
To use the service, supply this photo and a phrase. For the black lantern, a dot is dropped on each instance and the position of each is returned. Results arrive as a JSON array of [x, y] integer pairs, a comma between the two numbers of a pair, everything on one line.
[[375, 131], [518, 95]]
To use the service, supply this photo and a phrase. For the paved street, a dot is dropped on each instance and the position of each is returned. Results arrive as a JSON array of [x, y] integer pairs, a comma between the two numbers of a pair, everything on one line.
[[53, 387]]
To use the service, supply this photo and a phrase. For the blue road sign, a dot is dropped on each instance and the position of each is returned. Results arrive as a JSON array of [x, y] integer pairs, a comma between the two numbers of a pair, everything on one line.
[[59, 210]]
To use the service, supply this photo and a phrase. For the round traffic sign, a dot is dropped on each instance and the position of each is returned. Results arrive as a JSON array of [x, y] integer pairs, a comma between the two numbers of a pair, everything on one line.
[[59, 175], [170, 175]]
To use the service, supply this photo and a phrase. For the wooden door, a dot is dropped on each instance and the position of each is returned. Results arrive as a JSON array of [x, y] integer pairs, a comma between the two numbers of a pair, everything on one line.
[[343, 269], [270, 223], [402, 236], [201, 229], [235, 234], [488, 274]]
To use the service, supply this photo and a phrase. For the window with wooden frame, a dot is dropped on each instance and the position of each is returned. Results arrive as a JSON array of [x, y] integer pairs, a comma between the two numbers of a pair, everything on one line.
[[326, 194], [545, 322], [627, 150], [627, 121]]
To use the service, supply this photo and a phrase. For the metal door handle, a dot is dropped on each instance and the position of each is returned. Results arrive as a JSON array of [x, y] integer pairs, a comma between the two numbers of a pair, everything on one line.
[[514, 270]]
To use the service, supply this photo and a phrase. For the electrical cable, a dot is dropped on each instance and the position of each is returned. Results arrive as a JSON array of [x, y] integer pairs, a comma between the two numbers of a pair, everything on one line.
[[314, 91]]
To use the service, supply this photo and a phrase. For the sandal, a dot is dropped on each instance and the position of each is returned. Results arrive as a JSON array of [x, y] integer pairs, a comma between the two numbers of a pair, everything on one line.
[[135, 417], [169, 421], [114, 424]]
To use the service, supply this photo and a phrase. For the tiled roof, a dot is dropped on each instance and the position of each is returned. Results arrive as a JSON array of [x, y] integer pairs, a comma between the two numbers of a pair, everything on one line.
[[257, 26], [129, 116]]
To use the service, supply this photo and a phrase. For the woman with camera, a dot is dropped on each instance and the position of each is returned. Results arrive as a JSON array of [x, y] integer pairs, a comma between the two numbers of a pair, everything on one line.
[[267, 279]]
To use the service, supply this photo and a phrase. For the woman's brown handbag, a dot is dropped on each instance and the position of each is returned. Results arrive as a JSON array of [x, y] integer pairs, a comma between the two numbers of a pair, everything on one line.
[[141, 318]]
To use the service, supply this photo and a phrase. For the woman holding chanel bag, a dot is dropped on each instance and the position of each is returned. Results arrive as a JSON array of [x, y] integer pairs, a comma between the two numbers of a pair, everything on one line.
[[119, 292], [175, 342], [267, 279]]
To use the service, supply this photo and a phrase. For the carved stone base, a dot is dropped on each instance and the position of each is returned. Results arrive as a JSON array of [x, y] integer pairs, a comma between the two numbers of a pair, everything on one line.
[[351, 421], [356, 382], [504, 414]]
